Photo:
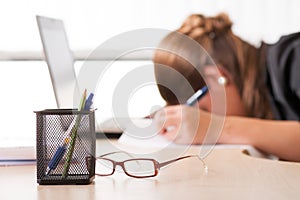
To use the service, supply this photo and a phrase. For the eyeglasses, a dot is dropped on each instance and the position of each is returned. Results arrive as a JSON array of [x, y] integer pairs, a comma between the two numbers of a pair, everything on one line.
[[135, 167]]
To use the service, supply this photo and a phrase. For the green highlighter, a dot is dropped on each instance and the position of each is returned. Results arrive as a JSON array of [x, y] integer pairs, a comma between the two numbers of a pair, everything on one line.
[[73, 136]]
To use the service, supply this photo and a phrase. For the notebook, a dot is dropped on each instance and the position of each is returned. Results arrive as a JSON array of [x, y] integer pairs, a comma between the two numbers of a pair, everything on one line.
[[60, 63]]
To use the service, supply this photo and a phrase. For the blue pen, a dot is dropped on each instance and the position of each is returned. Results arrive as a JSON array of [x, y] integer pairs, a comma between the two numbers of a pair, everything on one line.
[[89, 102], [198, 95], [62, 149]]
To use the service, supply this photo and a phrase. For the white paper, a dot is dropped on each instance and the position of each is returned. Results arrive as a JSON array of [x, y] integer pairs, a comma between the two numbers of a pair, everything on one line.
[[143, 134]]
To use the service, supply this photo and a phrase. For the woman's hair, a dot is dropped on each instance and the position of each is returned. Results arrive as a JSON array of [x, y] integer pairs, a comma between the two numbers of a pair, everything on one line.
[[240, 59]]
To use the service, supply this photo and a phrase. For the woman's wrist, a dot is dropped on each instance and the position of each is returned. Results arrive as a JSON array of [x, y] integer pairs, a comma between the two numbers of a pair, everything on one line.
[[237, 130]]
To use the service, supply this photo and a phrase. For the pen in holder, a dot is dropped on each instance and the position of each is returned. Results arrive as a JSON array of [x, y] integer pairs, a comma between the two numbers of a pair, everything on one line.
[[65, 146]]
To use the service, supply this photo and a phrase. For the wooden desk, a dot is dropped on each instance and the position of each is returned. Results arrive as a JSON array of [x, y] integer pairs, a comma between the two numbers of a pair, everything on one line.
[[232, 175]]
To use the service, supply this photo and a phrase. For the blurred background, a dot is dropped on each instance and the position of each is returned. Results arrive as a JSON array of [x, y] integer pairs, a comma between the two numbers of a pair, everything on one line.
[[25, 83]]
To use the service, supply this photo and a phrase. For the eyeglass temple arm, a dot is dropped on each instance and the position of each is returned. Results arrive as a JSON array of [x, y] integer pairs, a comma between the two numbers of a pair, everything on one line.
[[163, 164], [115, 152], [171, 161]]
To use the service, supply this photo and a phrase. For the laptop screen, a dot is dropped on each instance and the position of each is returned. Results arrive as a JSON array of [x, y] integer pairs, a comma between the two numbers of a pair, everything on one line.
[[60, 61], [66, 84]]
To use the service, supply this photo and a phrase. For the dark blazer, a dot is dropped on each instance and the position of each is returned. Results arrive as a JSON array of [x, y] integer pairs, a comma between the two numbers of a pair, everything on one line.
[[283, 77]]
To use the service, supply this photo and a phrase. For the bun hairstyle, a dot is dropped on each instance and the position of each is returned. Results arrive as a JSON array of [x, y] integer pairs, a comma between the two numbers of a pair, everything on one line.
[[196, 26], [240, 59]]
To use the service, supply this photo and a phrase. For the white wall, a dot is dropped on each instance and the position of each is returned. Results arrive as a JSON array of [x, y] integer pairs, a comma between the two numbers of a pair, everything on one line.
[[90, 22]]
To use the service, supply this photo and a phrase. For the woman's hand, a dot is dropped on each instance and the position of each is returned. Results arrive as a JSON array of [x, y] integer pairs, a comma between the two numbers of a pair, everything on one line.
[[188, 125]]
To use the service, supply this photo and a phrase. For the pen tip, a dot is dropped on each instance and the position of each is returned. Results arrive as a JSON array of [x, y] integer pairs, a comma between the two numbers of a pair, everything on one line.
[[91, 96], [48, 171]]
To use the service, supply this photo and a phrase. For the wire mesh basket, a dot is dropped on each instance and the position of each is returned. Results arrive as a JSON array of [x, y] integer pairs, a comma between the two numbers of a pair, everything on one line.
[[65, 146]]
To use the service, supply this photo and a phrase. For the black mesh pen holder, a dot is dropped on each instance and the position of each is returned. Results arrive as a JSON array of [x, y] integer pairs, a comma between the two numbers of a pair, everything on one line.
[[65, 146]]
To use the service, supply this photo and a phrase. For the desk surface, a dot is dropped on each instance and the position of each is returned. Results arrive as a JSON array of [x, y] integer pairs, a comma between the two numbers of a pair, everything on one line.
[[231, 175]]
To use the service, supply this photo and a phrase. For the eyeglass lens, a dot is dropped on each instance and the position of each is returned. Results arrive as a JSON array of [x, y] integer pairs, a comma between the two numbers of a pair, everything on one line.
[[138, 168], [104, 167]]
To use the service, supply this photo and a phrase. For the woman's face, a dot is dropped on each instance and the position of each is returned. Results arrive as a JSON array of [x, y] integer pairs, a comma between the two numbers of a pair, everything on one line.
[[223, 99]]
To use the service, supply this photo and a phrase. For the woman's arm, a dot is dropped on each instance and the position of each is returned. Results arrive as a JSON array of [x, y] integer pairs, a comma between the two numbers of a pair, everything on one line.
[[187, 125], [280, 138]]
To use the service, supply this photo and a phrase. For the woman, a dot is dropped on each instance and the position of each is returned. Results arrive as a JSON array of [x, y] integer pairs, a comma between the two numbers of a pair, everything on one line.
[[261, 88]]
